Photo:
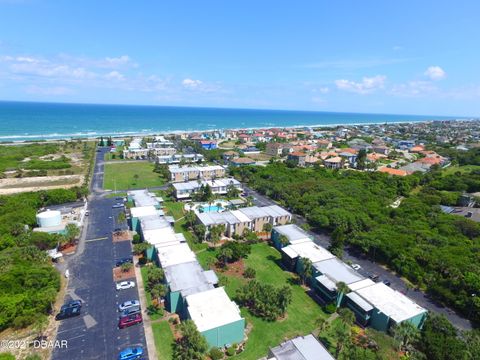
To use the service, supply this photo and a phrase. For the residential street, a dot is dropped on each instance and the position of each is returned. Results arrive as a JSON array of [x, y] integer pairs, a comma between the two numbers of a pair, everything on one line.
[[369, 267], [94, 334]]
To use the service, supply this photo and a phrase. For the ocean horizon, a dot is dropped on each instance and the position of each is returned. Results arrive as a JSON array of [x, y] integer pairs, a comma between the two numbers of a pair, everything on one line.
[[21, 121]]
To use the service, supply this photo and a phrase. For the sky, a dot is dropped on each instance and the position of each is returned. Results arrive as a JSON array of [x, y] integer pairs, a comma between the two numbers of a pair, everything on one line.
[[374, 56]]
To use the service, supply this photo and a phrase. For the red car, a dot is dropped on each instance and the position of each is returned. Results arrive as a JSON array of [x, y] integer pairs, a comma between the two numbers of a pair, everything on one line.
[[130, 320]]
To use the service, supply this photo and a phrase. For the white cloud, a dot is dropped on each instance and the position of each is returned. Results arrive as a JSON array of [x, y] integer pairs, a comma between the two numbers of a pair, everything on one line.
[[366, 86], [321, 90], [355, 63], [416, 88], [115, 75], [435, 73], [191, 84]]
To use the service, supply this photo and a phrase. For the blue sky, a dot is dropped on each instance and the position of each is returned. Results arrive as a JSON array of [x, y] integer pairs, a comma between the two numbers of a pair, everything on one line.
[[409, 57]]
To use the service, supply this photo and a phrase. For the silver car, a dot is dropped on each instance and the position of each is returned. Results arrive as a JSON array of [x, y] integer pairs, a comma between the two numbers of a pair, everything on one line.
[[128, 304]]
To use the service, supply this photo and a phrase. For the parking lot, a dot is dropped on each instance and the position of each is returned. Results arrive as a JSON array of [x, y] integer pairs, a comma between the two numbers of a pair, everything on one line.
[[94, 334]]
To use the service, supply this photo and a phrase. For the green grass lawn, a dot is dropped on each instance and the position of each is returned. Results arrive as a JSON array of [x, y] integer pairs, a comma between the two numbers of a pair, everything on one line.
[[163, 337], [462, 169], [301, 315], [121, 176], [153, 316]]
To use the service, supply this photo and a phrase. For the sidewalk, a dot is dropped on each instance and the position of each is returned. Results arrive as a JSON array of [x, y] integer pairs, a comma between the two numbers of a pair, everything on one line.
[[152, 351]]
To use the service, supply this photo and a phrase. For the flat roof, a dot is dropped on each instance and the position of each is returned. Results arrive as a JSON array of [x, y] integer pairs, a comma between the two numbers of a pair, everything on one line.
[[161, 236], [151, 222], [301, 348], [358, 300], [360, 284], [178, 169], [337, 271], [309, 250], [240, 216], [254, 212], [188, 278], [327, 282], [143, 198], [140, 211], [276, 211], [175, 254], [390, 302], [212, 308], [292, 232]]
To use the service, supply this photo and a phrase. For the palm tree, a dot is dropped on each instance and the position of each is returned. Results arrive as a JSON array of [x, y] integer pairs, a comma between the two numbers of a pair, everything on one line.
[[307, 270], [342, 289], [347, 316], [284, 241], [322, 324], [405, 333]]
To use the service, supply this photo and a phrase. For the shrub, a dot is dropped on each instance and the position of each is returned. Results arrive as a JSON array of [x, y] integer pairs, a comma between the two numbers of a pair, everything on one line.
[[136, 239], [216, 353], [330, 308], [231, 350], [249, 273]]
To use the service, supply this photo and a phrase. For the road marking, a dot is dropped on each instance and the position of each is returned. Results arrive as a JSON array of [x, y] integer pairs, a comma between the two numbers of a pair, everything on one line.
[[97, 239], [75, 337], [89, 321], [70, 329]]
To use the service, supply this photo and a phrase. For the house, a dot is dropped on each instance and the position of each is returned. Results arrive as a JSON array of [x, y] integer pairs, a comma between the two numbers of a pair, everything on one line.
[[186, 173], [242, 161], [381, 150], [292, 255], [381, 307], [244, 138], [392, 171], [217, 317], [297, 157], [292, 232], [174, 254], [349, 157], [300, 348], [229, 155], [333, 163], [274, 149], [208, 144], [218, 186], [183, 280]]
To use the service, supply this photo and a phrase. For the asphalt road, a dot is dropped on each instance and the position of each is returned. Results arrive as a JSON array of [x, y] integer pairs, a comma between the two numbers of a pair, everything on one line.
[[370, 267], [94, 334]]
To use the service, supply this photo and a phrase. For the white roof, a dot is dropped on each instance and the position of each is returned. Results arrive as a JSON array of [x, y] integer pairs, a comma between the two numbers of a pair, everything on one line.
[[152, 222], [357, 299], [161, 237], [390, 302], [143, 211], [240, 216], [360, 284], [337, 271], [143, 198], [309, 250], [327, 282], [276, 211], [212, 308], [178, 169], [174, 254], [293, 233]]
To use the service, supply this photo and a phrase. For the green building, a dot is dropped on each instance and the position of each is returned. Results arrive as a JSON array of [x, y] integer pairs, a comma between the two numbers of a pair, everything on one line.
[[216, 316]]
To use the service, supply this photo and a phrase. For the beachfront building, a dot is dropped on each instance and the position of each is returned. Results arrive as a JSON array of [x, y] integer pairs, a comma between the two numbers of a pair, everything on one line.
[[217, 317], [293, 234], [381, 307], [188, 173], [177, 158], [253, 218], [300, 348], [221, 186]]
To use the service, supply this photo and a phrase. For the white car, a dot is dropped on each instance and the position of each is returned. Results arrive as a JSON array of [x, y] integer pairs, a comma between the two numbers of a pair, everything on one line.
[[356, 267], [128, 304], [125, 285]]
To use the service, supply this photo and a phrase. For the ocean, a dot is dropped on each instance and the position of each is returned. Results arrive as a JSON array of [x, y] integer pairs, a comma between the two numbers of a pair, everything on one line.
[[21, 121]]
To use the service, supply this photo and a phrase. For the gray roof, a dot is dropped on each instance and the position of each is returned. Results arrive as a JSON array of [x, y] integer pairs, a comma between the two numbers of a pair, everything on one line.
[[276, 211], [189, 278], [291, 231], [143, 198], [337, 271], [254, 212], [359, 301], [301, 348], [151, 222]]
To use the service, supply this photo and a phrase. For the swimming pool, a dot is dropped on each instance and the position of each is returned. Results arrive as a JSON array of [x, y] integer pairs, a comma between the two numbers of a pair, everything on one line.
[[211, 208]]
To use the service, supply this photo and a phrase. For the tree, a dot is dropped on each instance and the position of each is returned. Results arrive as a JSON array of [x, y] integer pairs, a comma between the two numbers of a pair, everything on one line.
[[121, 218], [140, 248], [405, 333], [225, 255], [155, 276], [216, 233], [192, 345], [307, 270], [342, 289], [200, 231], [135, 179], [72, 232], [158, 291], [284, 241], [440, 339], [347, 316], [267, 227], [232, 191], [361, 159], [126, 267], [190, 218], [322, 324]]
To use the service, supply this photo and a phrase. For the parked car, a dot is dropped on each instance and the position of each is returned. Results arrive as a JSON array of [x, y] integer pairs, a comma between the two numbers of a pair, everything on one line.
[[68, 313], [117, 206], [130, 311], [387, 282], [374, 277], [120, 262], [71, 303], [356, 267], [87, 213], [131, 353], [130, 320], [123, 285], [128, 304], [117, 229]]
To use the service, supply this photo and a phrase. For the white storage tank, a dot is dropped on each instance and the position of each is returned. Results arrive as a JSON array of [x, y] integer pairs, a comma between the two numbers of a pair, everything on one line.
[[49, 218]]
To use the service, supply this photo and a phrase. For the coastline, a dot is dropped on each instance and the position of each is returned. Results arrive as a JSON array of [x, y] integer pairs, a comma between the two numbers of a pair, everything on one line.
[[92, 135]]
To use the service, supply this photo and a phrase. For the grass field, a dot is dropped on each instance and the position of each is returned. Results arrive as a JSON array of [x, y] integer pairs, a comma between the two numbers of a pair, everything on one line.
[[163, 337], [461, 169], [301, 314], [122, 176]]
